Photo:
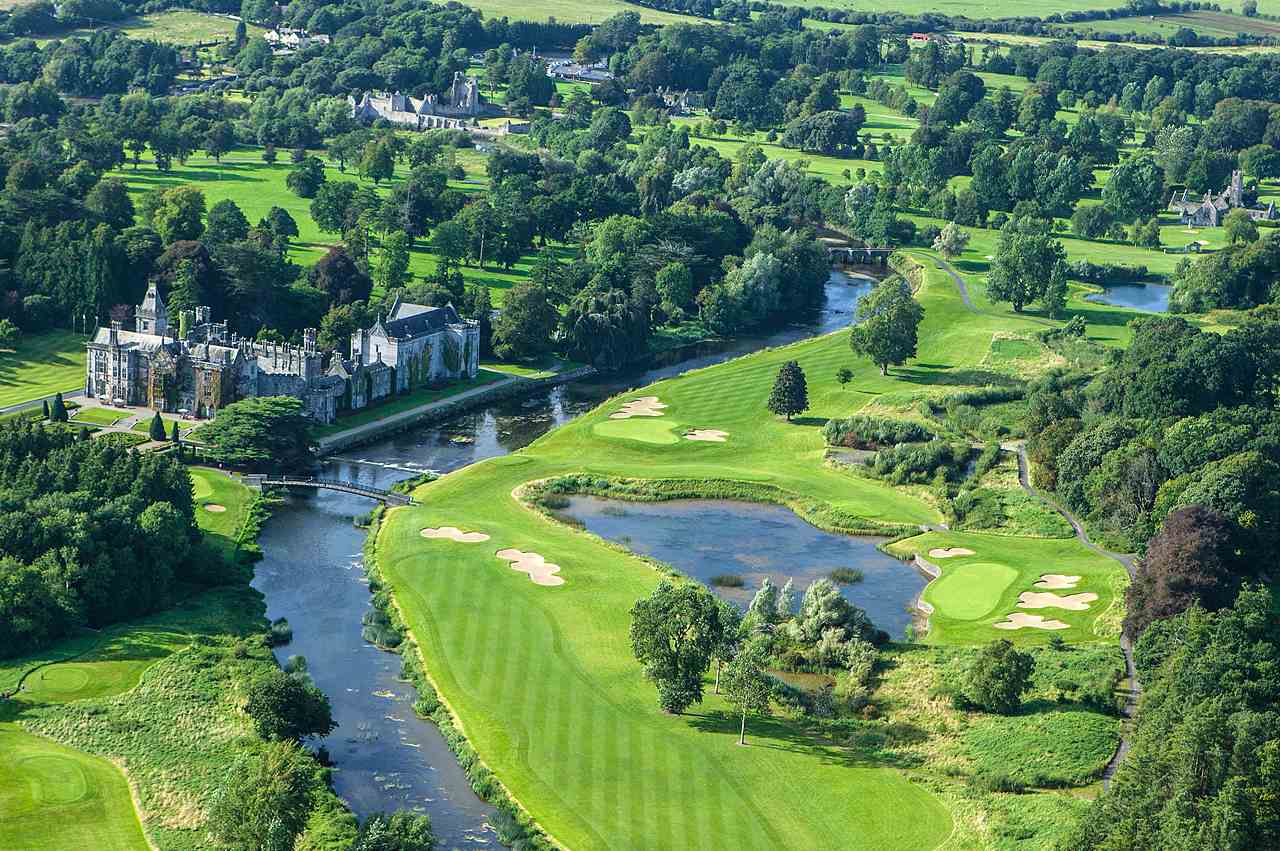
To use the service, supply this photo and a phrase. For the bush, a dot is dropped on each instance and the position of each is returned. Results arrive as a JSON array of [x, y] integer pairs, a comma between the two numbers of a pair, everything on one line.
[[920, 462], [727, 580], [846, 575], [998, 677], [279, 633], [1105, 273], [866, 432]]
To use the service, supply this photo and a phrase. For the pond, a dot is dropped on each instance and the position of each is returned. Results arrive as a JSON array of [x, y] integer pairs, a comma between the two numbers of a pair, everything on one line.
[[703, 538], [1149, 298]]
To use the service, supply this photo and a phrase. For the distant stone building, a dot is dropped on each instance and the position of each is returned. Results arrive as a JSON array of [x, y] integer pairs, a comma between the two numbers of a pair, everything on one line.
[[1208, 212], [287, 38], [209, 366], [462, 103], [564, 69], [412, 346]]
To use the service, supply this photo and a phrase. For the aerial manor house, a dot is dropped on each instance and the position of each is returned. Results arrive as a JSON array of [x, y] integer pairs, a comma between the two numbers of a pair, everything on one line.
[[1208, 212], [204, 365], [462, 103]]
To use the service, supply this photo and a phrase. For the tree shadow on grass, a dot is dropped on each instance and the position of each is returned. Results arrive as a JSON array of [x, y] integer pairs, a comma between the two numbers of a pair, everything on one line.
[[954, 377], [809, 421], [852, 743]]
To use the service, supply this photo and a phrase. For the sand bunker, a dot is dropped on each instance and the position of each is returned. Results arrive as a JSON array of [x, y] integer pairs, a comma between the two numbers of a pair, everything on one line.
[[645, 406], [540, 571], [1047, 600], [711, 435], [949, 552], [214, 507], [1057, 581], [453, 533], [1017, 620]]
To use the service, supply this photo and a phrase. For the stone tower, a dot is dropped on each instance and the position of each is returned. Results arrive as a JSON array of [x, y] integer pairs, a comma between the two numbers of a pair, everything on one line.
[[152, 317]]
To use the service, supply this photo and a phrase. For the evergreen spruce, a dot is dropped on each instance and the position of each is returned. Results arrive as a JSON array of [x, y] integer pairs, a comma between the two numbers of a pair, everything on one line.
[[175, 436], [790, 393], [44, 407], [156, 430], [58, 412]]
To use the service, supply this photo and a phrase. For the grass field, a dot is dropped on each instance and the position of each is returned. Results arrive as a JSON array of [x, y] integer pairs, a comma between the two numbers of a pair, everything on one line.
[[101, 416], [543, 679], [1215, 24], [979, 9], [55, 798], [41, 365]]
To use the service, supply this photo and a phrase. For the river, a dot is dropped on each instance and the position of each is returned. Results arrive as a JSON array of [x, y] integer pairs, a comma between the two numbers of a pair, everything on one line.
[[385, 758]]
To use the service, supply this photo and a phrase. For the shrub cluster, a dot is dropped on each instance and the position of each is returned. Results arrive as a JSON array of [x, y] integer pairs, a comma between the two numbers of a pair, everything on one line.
[[867, 432]]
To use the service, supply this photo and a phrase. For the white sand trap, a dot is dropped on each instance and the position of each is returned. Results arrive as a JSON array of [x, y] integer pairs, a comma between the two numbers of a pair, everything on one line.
[[1057, 581], [949, 552], [711, 435], [645, 406], [214, 507], [453, 533], [1049, 600], [1018, 620], [540, 571]]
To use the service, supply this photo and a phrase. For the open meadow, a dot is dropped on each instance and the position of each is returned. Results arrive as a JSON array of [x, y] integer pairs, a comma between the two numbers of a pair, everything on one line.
[[41, 365], [542, 676]]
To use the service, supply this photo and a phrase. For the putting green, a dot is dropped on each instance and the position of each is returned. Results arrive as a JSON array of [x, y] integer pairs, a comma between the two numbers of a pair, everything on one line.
[[55, 798], [655, 430], [969, 591], [202, 488]]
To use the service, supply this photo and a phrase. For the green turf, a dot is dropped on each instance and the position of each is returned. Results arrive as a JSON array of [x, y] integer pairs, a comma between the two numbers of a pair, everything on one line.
[[55, 798], [213, 487], [645, 429], [969, 591], [101, 416], [967, 603], [144, 424], [41, 365], [1044, 746]]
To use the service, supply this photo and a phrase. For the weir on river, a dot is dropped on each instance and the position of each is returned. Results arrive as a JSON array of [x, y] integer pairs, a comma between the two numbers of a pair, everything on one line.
[[385, 757]]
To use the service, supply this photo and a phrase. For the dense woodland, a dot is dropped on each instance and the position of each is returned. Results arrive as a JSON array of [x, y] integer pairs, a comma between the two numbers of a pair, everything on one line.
[[92, 534]]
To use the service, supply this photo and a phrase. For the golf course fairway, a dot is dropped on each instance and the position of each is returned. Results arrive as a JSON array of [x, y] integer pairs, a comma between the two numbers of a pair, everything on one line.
[[56, 798]]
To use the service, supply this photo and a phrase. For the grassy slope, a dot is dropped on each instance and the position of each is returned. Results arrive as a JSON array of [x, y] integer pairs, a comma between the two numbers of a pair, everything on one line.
[[543, 678], [53, 797], [41, 365], [180, 27]]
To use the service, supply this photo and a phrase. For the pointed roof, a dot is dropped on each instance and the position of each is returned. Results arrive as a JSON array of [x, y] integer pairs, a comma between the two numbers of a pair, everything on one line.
[[152, 304]]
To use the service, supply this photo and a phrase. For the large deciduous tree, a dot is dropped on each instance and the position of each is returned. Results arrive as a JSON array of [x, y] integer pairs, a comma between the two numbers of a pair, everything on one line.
[[887, 324], [266, 432], [674, 634], [1192, 560], [998, 676], [265, 799], [1029, 265], [288, 706], [525, 326]]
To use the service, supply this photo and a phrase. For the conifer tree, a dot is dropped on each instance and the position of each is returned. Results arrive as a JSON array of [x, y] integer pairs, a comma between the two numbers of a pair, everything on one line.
[[58, 412], [790, 393], [156, 430]]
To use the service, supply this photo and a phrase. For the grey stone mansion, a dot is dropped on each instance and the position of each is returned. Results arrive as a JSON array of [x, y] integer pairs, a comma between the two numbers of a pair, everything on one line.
[[207, 366]]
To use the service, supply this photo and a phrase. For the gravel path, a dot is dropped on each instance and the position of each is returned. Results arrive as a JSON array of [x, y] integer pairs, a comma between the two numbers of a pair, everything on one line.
[[1127, 561]]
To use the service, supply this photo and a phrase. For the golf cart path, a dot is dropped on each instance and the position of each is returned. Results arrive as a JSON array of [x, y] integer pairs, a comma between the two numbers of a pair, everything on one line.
[[1126, 560]]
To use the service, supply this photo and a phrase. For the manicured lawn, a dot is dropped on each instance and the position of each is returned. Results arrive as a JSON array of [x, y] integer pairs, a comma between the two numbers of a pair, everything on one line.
[[180, 27], [41, 365], [975, 592], [101, 416], [56, 798], [407, 402], [144, 425], [543, 678], [213, 487]]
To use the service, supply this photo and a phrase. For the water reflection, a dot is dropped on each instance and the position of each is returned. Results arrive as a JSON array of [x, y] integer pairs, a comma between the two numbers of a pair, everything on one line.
[[703, 538], [1149, 298]]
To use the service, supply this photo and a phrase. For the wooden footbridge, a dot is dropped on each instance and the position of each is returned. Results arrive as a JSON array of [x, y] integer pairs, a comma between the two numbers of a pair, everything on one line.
[[386, 497]]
